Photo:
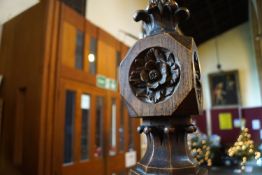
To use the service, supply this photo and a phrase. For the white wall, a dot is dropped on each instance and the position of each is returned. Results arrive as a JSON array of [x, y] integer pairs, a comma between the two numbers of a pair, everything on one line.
[[11, 8], [116, 15], [236, 53]]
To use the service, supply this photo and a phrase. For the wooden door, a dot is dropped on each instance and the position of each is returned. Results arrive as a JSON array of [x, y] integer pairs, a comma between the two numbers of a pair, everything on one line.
[[82, 116], [94, 132]]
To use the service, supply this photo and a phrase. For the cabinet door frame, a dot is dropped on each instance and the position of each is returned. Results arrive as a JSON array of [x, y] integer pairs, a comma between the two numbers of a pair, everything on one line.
[[106, 163], [96, 165], [78, 23]]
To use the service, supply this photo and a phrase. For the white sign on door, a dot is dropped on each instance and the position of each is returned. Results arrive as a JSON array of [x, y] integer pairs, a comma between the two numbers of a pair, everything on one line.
[[85, 102], [130, 159]]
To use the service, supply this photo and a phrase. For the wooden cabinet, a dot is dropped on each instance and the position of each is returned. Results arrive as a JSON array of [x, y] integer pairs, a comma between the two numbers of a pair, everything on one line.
[[80, 39], [57, 120]]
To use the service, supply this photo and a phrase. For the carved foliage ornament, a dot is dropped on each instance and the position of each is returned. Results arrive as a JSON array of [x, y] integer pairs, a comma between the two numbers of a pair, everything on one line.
[[198, 77], [154, 75], [161, 16]]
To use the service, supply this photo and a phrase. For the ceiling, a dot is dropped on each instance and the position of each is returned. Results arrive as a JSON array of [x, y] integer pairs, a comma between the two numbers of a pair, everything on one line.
[[210, 18]]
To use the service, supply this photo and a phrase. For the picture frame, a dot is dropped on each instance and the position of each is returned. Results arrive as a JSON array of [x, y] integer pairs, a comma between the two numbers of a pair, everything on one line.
[[224, 89]]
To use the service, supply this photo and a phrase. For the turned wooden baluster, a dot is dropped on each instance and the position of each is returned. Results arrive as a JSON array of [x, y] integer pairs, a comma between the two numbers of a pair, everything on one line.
[[160, 81]]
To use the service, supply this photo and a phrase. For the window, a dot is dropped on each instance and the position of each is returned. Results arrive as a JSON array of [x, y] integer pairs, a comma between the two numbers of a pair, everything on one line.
[[69, 126], [85, 106], [99, 127], [77, 5], [92, 57], [79, 50]]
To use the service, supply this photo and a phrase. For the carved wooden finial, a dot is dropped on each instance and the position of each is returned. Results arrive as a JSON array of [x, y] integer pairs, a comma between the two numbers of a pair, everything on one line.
[[161, 77], [160, 80], [161, 16]]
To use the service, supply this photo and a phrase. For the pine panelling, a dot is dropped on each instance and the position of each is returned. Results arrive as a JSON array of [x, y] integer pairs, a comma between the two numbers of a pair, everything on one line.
[[111, 62], [107, 49], [68, 45], [77, 75], [90, 28], [102, 57], [106, 60], [108, 39]]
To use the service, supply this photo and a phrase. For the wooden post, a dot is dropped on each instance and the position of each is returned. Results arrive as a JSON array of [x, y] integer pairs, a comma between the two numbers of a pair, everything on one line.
[[160, 81]]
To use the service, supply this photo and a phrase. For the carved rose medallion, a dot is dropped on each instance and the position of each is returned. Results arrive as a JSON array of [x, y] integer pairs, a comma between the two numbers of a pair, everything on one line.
[[154, 75]]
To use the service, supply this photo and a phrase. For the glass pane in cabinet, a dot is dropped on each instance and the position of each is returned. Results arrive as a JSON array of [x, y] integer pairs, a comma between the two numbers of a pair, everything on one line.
[[99, 127], [121, 128], [85, 126], [69, 126], [131, 137], [79, 53]]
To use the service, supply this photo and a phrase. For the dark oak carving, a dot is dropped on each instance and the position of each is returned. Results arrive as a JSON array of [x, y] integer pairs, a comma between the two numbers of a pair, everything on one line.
[[198, 77], [154, 75], [160, 80], [166, 152], [161, 16], [185, 89]]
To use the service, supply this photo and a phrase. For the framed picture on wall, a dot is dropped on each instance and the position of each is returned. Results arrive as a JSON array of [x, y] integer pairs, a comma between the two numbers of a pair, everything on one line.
[[224, 88]]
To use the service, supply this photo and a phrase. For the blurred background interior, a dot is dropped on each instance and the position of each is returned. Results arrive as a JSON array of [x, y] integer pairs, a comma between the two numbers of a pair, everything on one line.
[[60, 109]]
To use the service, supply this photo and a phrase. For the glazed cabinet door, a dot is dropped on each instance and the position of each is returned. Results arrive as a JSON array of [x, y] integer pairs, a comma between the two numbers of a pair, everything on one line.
[[82, 118]]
